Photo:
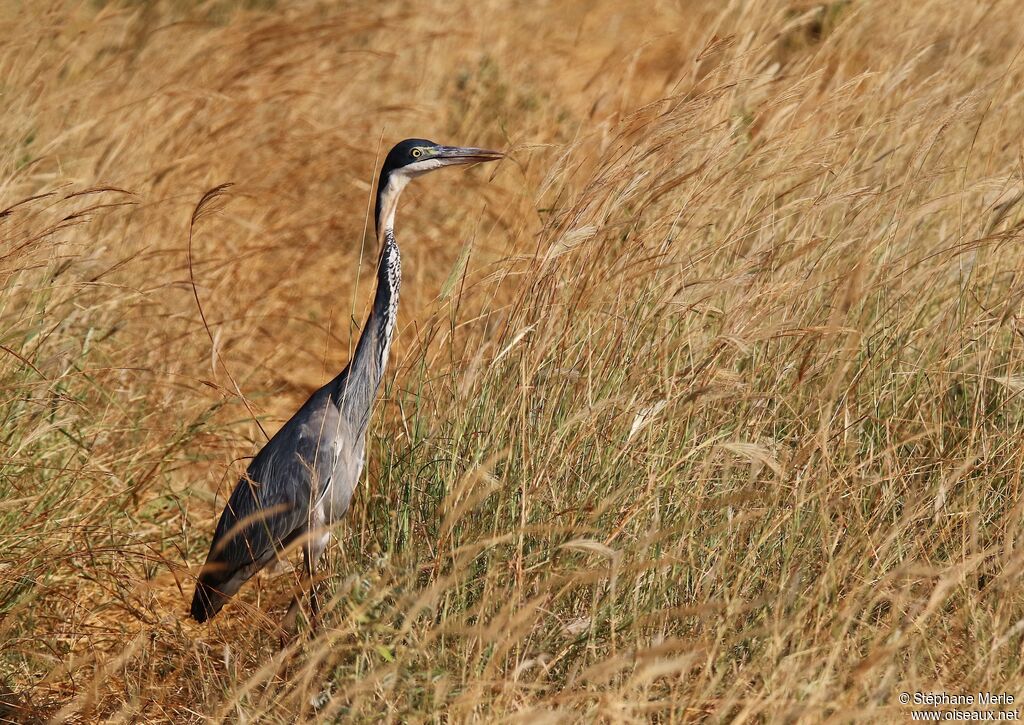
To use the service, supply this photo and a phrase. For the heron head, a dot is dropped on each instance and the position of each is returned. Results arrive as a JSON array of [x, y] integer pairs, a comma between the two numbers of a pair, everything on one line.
[[415, 157]]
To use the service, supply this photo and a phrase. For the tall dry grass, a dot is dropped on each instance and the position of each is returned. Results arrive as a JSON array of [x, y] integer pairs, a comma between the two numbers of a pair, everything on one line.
[[704, 406]]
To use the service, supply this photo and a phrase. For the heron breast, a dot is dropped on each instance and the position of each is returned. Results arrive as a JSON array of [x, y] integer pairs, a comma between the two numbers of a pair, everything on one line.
[[347, 468]]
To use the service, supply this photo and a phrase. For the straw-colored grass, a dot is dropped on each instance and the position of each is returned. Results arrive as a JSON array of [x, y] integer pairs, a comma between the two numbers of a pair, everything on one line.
[[704, 405]]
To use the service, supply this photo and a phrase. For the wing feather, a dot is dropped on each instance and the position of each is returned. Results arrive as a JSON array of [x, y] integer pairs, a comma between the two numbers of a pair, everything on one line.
[[271, 503]]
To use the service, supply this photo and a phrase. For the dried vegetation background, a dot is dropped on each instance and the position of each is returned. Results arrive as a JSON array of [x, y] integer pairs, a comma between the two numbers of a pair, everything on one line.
[[705, 403]]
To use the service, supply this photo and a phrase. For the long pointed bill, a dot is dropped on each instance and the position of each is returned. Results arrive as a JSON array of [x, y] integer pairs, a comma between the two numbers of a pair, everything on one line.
[[450, 155]]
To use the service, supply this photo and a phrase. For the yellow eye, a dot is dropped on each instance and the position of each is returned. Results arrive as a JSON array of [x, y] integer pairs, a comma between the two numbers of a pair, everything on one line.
[[416, 153]]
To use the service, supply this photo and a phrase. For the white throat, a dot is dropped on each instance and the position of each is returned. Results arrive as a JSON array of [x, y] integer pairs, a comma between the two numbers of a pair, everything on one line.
[[389, 202], [396, 182]]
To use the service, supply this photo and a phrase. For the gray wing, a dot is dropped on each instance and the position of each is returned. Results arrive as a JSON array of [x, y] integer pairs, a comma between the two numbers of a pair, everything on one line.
[[271, 503]]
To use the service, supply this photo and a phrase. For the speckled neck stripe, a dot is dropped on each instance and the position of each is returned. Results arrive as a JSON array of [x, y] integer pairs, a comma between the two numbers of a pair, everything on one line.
[[390, 276]]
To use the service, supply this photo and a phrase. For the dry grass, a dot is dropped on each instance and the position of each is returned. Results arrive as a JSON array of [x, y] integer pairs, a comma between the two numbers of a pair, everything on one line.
[[705, 405]]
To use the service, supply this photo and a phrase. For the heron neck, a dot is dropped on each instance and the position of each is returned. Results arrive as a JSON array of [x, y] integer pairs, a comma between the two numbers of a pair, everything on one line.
[[389, 188], [389, 276], [356, 388], [385, 300]]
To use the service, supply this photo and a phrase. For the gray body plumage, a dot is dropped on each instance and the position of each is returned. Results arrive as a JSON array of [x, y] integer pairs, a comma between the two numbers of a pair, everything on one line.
[[302, 481]]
